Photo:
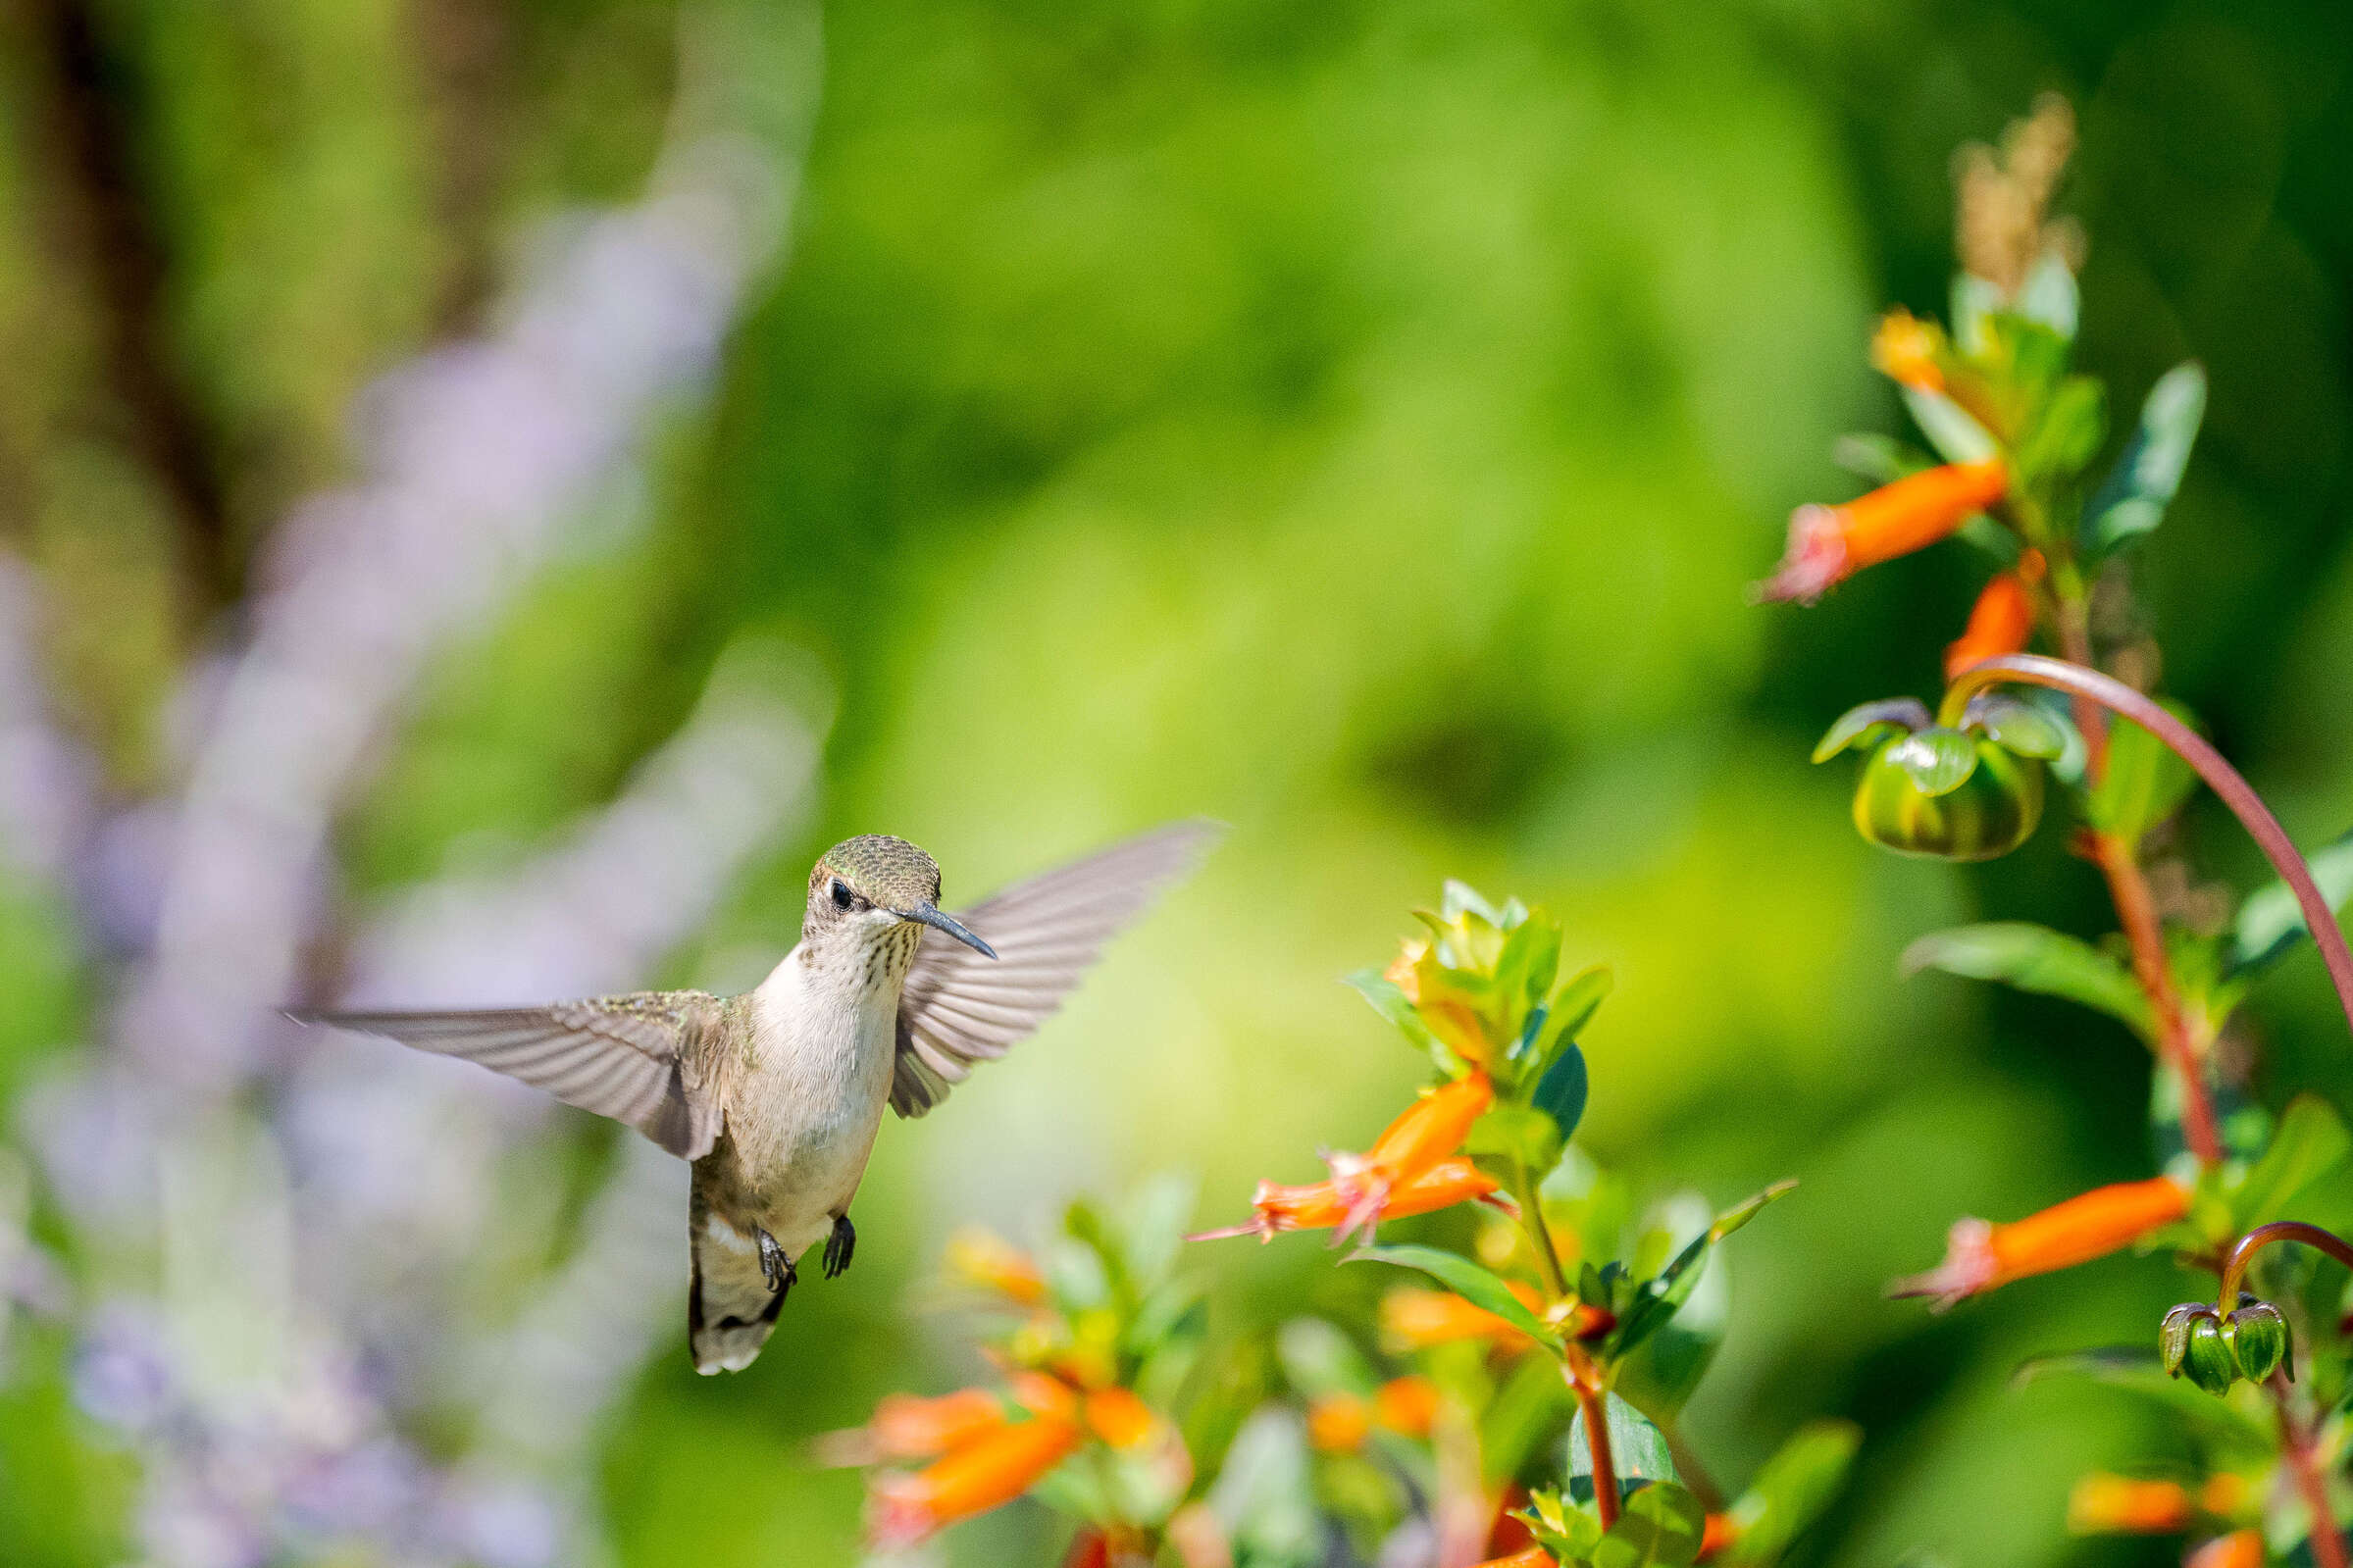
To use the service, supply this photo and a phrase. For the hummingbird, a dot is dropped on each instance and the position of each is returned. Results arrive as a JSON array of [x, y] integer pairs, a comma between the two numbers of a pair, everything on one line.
[[774, 1096]]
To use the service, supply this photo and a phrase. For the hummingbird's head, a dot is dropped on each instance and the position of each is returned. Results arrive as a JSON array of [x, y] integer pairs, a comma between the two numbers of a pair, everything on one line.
[[878, 889]]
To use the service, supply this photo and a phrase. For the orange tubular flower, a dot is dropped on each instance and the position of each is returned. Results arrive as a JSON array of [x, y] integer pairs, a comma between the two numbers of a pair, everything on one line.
[[2105, 1505], [1979, 1256], [1904, 351], [1407, 1406], [2241, 1548], [1119, 1418], [1716, 1535], [1827, 545], [986, 1472], [1428, 1131], [984, 1258], [1415, 1318], [1319, 1204], [2000, 623], [1533, 1558], [1339, 1422], [909, 1427]]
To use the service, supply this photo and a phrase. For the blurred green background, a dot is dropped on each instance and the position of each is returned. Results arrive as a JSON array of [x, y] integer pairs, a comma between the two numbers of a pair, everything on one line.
[[1354, 421]]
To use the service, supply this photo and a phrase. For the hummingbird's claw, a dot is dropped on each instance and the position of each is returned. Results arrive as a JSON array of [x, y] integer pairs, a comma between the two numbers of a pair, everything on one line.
[[776, 1268], [839, 1247]]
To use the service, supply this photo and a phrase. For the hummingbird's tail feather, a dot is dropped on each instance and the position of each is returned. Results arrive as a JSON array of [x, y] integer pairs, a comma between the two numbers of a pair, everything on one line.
[[730, 1307]]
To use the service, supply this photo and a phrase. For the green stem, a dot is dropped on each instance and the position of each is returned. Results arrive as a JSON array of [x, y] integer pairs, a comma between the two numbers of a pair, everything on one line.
[[1530, 1194]]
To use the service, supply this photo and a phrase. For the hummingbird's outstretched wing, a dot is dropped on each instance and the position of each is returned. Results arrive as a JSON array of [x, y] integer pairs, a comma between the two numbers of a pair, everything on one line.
[[959, 1006], [629, 1057]]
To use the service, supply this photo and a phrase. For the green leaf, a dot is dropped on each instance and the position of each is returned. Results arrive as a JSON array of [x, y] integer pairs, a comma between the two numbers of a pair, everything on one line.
[[1957, 437], [2067, 435], [1939, 760], [1569, 1532], [1526, 1135], [2036, 958], [2311, 1140], [1795, 1488], [1661, 1526], [1392, 1004], [2145, 782], [1566, 1015], [1529, 963], [1880, 459], [2271, 923], [2133, 499], [1466, 1280], [2135, 1370], [1870, 723], [1318, 1359], [1560, 1094], [1657, 1299], [2050, 296], [1638, 1451], [2015, 725], [1974, 304]]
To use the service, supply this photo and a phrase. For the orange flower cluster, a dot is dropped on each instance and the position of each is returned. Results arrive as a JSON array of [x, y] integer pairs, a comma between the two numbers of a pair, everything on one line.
[[1904, 351], [1339, 1423], [986, 1259], [985, 1449], [2106, 1504], [1979, 1256], [2000, 623], [1827, 545], [1410, 1169], [2241, 1548]]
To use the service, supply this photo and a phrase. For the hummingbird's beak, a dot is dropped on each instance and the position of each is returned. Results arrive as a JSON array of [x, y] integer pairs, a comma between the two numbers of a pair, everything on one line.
[[933, 916]]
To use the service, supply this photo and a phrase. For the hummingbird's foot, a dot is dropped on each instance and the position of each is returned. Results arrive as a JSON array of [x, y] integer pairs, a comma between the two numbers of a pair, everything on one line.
[[776, 1268], [839, 1247]]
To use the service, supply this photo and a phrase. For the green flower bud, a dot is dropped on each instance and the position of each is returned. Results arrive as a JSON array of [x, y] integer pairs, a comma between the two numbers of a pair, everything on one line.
[[2258, 1338], [1986, 814], [2173, 1335], [2207, 1360]]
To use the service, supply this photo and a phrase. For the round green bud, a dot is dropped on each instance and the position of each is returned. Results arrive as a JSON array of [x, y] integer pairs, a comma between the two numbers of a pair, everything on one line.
[[2207, 1360], [2173, 1335], [1987, 815], [2258, 1338]]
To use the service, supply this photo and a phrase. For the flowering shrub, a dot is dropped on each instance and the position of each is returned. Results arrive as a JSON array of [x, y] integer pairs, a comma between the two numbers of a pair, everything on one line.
[[1519, 1403], [1519, 1407], [2020, 436]]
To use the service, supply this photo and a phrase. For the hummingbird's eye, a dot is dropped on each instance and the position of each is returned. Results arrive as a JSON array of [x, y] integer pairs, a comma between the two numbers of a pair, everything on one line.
[[843, 897]]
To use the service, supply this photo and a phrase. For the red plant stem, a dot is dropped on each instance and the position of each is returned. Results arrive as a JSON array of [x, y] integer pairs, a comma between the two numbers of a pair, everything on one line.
[[2242, 1252], [2136, 911], [2224, 780], [2298, 1444], [2300, 1448], [1590, 1403]]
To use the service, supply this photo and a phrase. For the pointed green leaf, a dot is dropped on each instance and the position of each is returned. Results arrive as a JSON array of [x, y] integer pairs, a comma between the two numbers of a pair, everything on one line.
[[1391, 1004], [2020, 726], [1795, 1488], [1661, 1526], [1460, 897], [2050, 296], [1529, 963], [2271, 922], [1870, 723], [2133, 499], [1957, 437], [1880, 459], [1560, 1094], [1657, 1299], [1638, 1451], [2145, 782], [2135, 1370], [1566, 1015], [2311, 1140], [2067, 435], [1466, 1280], [1939, 760], [2039, 959], [1525, 1135]]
